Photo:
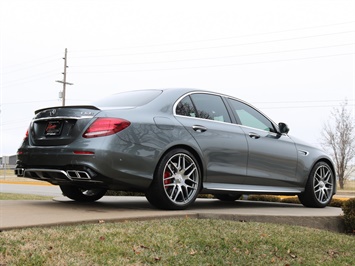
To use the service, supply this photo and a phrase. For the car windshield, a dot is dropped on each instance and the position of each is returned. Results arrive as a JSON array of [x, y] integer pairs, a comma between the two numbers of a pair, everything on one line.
[[128, 99]]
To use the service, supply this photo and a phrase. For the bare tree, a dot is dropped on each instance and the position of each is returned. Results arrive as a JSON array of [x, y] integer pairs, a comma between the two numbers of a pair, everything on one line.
[[338, 136]]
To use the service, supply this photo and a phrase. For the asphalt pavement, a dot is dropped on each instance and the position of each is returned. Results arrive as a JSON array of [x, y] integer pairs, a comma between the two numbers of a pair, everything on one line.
[[60, 210], [41, 189]]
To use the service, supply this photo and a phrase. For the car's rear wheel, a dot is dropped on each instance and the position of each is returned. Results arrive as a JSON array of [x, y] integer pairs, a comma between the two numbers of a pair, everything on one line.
[[228, 197], [319, 188], [177, 181], [83, 194]]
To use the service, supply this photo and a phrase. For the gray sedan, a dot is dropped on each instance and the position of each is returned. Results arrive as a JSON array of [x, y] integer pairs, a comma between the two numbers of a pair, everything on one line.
[[172, 144]]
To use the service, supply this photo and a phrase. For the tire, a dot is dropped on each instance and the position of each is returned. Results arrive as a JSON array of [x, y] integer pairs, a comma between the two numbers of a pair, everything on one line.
[[319, 188], [228, 197], [82, 194], [176, 182]]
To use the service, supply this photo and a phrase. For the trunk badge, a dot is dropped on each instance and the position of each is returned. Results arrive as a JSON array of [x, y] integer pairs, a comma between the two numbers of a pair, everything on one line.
[[52, 112]]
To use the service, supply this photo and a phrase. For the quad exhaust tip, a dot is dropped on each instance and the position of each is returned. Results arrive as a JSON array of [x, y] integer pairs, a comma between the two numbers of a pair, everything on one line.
[[20, 172], [52, 173], [78, 174]]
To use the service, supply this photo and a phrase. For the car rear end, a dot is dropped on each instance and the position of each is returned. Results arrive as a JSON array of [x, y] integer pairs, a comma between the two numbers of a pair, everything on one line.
[[81, 145], [114, 144], [53, 147]]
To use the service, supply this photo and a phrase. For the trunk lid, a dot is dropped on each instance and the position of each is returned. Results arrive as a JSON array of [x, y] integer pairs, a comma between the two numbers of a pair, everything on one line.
[[57, 126]]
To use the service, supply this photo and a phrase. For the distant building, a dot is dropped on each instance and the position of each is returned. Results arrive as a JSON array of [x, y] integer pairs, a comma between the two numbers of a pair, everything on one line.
[[11, 161]]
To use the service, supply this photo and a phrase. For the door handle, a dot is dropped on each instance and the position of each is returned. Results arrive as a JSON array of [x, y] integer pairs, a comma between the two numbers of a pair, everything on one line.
[[254, 135], [198, 128]]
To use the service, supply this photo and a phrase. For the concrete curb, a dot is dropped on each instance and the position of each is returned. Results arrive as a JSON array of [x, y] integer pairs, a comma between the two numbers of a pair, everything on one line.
[[62, 211], [333, 224]]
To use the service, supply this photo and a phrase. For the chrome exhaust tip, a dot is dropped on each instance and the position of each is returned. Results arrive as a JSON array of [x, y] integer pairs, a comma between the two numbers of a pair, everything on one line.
[[20, 172], [75, 174]]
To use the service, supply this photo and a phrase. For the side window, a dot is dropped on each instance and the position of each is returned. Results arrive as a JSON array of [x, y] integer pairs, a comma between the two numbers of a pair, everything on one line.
[[185, 107], [250, 117], [210, 107]]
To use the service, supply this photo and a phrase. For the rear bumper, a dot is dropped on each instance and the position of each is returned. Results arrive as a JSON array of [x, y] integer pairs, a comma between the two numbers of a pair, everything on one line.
[[110, 169], [53, 174], [84, 178]]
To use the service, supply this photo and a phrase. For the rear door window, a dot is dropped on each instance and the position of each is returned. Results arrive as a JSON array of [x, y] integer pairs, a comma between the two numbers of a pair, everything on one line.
[[210, 107], [185, 107]]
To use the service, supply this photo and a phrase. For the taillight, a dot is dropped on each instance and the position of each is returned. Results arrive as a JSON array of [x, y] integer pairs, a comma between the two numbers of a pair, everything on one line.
[[84, 152], [105, 127], [26, 135]]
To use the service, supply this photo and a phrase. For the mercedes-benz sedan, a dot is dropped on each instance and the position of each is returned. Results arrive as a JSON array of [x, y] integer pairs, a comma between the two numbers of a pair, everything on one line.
[[172, 144]]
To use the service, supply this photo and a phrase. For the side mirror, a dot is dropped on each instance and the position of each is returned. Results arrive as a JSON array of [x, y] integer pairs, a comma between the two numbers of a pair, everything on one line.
[[284, 129]]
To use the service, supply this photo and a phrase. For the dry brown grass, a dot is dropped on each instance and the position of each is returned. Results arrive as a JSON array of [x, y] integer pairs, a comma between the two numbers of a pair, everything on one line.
[[7, 173]]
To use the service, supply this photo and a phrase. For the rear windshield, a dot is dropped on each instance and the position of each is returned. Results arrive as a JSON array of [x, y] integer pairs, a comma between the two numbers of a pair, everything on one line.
[[128, 99]]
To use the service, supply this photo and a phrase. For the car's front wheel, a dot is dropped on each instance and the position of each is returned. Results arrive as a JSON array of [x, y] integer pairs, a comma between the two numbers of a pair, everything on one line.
[[82, 194], [177, 181], [319, 188]]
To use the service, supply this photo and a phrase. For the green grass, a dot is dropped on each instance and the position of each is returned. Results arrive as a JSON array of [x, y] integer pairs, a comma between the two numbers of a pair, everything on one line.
[[14, 196], [176, 242]]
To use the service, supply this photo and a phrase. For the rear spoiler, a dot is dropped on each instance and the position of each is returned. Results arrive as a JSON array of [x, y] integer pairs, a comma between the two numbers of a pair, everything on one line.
[[69, 106]]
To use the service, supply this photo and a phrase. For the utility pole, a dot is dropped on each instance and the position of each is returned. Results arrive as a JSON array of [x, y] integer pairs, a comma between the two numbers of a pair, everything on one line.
[[64, 81]]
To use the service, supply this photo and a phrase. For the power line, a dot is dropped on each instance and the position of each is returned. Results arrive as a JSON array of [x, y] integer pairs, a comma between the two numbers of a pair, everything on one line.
[[221, 38], [29, 102], [54, 56], [217, 47], [219, 65], [295, 107], [309, 101], [218, 57], [29, 79], [30, 66]]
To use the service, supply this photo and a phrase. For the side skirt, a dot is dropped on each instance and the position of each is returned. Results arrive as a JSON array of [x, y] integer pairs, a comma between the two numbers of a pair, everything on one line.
[[249, 189]]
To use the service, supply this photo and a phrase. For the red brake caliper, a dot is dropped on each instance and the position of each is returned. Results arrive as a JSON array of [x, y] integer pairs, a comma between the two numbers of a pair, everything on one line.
[[167, 180]]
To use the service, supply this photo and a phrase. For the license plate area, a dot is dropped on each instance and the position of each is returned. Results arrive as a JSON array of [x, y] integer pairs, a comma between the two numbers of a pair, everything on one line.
[[54, 128]]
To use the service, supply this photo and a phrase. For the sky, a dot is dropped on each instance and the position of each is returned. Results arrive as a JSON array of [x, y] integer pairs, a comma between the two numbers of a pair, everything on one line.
[[293, 60]]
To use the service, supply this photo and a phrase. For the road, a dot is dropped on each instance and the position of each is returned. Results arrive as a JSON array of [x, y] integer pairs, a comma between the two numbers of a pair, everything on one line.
[[42, 190], [61, 210]]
